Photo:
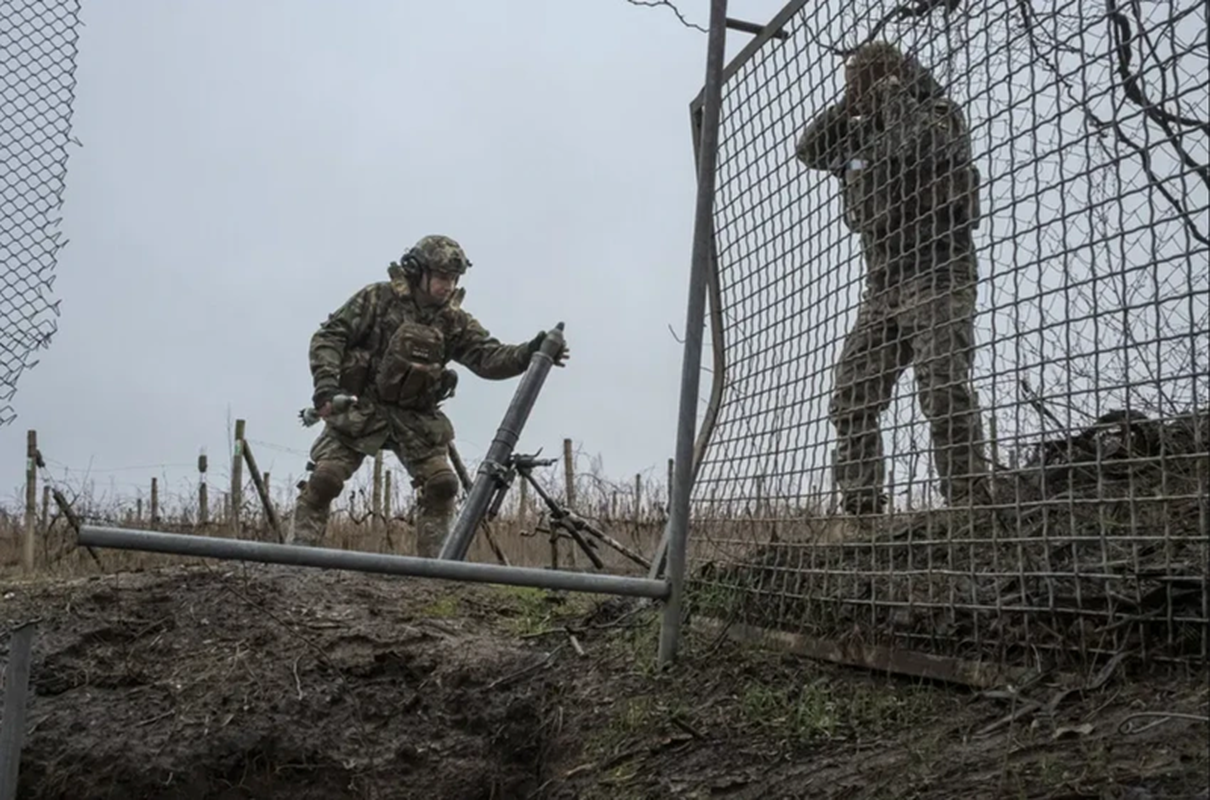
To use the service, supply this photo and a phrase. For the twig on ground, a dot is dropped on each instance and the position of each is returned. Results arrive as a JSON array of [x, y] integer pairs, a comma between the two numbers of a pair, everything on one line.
[[521, 673], [1164, 716]]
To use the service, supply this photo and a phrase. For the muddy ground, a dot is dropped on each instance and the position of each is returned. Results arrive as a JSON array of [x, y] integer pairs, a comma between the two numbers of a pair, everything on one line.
[[248, 681]]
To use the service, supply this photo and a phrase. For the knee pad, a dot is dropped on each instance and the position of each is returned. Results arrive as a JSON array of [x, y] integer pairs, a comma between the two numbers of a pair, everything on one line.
[[440, 489], [325, 484]]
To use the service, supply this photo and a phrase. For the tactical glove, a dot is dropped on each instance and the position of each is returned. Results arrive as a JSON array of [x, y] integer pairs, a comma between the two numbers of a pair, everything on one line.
[[535, 345], [322, 396]]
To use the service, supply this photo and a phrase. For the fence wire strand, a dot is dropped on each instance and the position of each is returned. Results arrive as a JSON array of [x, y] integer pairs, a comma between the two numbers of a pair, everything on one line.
[[37, 84], [1082, 529]]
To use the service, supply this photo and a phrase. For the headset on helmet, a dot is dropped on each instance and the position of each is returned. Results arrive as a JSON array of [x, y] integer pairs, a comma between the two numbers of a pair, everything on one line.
[[436, 253]]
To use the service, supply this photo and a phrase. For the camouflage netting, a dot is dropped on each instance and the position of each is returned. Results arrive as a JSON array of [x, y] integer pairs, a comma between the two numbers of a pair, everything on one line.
[[1098, 545]]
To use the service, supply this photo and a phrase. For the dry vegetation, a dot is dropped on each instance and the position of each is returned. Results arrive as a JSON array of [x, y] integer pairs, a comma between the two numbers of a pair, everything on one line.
[[161, 677]]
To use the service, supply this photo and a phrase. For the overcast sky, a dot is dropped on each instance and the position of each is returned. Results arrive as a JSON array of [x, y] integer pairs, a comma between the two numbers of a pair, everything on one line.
[[245, 167]]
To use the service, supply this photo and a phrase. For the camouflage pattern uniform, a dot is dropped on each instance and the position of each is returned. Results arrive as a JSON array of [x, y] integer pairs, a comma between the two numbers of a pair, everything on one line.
[[390, 348], [901, 152]]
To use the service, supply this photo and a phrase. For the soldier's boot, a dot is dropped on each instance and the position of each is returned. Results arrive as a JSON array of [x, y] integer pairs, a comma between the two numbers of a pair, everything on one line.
[[438, 494], [431, 530], [307, 524], [863, 502], [311, 511]]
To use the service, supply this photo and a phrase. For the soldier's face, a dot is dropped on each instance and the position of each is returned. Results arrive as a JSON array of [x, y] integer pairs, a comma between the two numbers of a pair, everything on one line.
[[440, 286]]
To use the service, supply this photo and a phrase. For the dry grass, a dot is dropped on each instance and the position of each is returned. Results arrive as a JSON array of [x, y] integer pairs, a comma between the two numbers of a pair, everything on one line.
[[522, 534]]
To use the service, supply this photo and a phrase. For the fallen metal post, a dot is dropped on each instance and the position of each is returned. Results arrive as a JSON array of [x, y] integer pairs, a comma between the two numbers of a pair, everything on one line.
[[16, 693], [385, 564], [479, 497]]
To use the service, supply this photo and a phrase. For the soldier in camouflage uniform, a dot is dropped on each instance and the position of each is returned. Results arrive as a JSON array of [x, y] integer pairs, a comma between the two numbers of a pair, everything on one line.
[[389, 345], [902, 154]]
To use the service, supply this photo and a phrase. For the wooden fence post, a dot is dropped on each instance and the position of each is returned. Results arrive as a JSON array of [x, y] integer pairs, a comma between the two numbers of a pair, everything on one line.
[[155, 501], [237, 479], [203, 499], [376, 496], [386, 498], [31, 501], [262, 489], [569, 479], [523, 501]]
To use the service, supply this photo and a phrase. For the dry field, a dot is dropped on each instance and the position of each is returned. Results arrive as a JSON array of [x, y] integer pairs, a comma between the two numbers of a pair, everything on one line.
[[161, 677]]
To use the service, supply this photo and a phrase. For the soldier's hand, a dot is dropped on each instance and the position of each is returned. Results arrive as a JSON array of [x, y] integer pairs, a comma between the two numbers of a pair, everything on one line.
[[322, 400], [535, 345]]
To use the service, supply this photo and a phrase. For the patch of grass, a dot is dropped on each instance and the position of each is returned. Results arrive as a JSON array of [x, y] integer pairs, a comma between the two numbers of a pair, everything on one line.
[[818, 711], [443, 607], [528, 611]]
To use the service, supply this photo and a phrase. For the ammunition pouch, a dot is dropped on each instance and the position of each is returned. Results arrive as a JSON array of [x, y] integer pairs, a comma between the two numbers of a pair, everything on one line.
[[355, 372], [411, 370], [884, 198]]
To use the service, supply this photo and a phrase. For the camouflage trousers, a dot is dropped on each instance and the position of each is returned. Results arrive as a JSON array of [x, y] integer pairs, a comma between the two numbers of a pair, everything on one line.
[[929, 325], [421, 443]]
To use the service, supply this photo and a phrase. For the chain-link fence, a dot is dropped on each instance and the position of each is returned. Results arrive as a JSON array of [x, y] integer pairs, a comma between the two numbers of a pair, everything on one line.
[[38, 45], [1062, 395]]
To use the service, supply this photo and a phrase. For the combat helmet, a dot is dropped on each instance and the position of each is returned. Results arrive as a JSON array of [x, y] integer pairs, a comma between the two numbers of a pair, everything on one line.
[[877, 59], [435, 253]]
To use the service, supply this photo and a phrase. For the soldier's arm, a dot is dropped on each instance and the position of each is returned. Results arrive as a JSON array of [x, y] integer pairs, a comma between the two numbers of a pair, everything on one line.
[[930, 133], [822, 143], [480, 352], [344, 328]]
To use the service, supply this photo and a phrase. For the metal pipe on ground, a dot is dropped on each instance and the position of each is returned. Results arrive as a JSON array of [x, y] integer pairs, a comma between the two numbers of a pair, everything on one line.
[[695, 316], [379, 563]]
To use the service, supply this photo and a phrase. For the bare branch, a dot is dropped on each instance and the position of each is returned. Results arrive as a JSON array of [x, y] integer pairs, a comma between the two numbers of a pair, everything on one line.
[[675, 10]]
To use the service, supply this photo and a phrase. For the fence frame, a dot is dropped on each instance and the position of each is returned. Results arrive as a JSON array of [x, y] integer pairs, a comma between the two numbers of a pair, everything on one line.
[[820, 648], [697, 111]]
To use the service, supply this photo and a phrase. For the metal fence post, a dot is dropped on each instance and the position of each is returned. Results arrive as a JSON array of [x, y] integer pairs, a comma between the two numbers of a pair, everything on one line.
[[12, 725], [695, 315]]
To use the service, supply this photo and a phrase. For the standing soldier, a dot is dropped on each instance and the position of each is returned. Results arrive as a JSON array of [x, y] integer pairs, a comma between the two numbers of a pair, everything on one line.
[[902, 154], [389, 345]]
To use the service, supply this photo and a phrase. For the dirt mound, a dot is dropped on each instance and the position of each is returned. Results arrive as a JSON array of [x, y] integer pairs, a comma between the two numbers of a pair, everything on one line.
[[261, 682]]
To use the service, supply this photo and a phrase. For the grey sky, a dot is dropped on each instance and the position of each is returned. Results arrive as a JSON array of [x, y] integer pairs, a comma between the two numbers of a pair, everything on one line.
[[262, 161]]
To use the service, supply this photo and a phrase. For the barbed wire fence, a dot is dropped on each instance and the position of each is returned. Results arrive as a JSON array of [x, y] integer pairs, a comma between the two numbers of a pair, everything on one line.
[[37, 83], [1089, 371]]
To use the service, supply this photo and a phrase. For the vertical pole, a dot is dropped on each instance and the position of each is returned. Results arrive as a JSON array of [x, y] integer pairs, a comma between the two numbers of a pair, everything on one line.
[[376, 497], [155, 501], [386, 497], [203, 500], [31, 501], [569, 478], [523, 501], [138, 511], [16, 693], [695, 320], [237, 478], [669, 501], [638, 497]]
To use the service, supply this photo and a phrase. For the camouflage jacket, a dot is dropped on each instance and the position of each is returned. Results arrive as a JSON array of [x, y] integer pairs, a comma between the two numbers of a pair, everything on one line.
[[392, 352], [904, 165]]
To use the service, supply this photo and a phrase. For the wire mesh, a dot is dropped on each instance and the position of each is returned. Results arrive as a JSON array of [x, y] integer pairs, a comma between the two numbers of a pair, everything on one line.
[[37, 83], [1063, 391]]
